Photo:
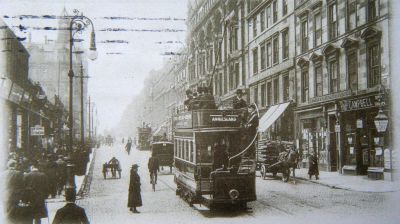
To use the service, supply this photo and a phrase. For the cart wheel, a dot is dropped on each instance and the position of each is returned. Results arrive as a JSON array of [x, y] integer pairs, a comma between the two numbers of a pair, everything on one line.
[[263, 172]]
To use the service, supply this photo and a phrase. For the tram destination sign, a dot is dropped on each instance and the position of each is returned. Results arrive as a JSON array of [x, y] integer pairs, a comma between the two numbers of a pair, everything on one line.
[[221, 118], [357, 104]]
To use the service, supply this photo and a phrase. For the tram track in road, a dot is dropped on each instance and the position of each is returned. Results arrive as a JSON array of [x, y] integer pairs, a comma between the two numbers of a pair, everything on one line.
[[280, 210]]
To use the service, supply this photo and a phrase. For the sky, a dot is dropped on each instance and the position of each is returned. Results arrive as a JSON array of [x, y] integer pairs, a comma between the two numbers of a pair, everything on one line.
[[147, 30]]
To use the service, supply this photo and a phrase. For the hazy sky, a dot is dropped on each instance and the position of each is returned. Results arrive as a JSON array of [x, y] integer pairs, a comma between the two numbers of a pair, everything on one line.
[[153, 27]]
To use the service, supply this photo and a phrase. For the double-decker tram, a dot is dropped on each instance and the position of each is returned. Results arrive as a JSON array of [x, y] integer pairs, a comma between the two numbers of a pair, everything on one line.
[[212, 164], [143, 137]]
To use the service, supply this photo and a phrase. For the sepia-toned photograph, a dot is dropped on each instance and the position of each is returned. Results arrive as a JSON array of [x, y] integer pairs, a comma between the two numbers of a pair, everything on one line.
[[199, 111]]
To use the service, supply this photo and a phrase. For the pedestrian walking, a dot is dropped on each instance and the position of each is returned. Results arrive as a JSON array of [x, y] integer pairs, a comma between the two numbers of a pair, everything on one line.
[[128, 146], [134, 197], [313, 166], [70, 213], [37, 182]]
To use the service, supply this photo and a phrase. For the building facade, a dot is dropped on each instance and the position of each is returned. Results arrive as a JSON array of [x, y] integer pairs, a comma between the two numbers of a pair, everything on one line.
[[271, 66], [25, 103], [342, 70]]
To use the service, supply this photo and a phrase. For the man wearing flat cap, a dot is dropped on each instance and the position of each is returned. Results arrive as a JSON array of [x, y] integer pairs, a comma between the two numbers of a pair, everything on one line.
[[134, 197]]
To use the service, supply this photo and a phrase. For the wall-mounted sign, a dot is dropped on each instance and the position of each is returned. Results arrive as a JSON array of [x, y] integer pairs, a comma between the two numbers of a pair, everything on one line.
[[16, 93], [329, 97], [5, 87], [337, 128], [359, 123], [37, 130], [357, 104]]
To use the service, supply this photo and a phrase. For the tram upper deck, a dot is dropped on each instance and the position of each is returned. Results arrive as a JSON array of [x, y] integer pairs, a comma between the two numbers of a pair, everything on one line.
[[208, 119]]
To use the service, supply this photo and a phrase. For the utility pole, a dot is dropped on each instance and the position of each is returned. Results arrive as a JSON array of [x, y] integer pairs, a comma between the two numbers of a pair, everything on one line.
[[90, 124], [82, 114]]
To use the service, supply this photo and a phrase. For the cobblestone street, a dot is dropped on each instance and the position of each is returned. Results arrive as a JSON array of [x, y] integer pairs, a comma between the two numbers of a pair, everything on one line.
[[276, 201]]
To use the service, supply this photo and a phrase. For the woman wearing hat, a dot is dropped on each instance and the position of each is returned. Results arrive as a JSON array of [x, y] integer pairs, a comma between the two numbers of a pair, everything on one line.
[[134, 197]]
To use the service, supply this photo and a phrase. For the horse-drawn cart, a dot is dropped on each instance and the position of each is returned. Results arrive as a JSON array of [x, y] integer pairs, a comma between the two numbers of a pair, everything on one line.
[[112, 167], [278, 160]]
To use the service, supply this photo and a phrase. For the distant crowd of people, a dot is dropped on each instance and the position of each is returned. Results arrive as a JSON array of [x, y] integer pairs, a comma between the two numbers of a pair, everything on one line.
[[34, 176]]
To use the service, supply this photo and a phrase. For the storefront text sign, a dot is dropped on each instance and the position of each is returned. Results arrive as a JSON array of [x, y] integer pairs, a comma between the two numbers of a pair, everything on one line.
[[330, 97], [357, 104], [359, 123], [337, 128], [37, 130]]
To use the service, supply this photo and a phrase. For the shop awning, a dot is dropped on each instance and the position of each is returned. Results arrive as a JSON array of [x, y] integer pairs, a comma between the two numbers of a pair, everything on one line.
[[272, 114]]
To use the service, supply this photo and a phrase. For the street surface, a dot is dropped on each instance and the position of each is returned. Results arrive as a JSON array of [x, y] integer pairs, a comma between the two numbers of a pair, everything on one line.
[[278, 202]]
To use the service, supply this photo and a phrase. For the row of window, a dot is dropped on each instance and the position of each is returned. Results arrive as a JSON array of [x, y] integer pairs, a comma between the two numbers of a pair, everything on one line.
[[269, 16], [269, 51], [333, 85], [184, 149], [270, 91], [332, 21]]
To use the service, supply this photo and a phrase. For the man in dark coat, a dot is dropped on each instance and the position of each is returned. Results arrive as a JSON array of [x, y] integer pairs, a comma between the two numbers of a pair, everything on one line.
[[128, 146], [238, 101], [313, 166], [61, 174], [70, 213], [154, 167], [207, 100], [38, 183], [134, 197], [51, 172], [18, 209], [251, 128]]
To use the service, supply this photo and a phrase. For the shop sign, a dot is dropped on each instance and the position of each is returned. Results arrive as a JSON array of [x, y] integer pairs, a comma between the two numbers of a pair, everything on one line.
[[5, 87], [330, 97], [37, 130], [16, 93], [359, 123], [337, 128], [357, 104]]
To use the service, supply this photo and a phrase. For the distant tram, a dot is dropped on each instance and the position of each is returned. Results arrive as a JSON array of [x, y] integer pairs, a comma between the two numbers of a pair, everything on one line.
[[143, 137], [199, 181]]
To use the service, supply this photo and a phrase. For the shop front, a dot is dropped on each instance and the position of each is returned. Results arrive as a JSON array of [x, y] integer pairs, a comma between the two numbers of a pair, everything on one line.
[[342, 132], [363, 144]]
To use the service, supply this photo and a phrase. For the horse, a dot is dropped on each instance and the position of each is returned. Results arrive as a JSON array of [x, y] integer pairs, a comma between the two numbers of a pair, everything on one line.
[[289, 160]]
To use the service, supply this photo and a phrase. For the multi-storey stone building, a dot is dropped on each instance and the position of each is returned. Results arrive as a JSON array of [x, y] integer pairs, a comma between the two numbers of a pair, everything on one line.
[[342, 68], [49, 65], [216, 46], [271, 67]]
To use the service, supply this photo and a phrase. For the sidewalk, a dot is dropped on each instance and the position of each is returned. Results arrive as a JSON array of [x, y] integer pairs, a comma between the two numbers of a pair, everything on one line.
[[348, 182], [79, 182]]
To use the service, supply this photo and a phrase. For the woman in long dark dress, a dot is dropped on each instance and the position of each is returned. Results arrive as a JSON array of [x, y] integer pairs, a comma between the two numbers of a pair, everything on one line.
[[313, 166], [134, 197]]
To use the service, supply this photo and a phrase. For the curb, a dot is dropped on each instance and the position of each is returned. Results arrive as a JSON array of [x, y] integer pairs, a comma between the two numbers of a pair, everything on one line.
[[85, 187], [324, 184]]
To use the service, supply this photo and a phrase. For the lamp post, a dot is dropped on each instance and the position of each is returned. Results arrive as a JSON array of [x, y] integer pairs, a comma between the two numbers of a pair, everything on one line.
[[381, 123], [78, 23]]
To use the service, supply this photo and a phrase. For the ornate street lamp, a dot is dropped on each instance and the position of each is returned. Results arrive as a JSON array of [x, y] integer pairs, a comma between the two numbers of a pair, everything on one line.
[[381, 121], [77, 24]]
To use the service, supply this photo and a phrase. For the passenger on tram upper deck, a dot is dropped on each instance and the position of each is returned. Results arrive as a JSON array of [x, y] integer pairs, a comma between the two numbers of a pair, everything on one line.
[[205, 99], [238, 101], [188, 102]]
